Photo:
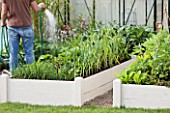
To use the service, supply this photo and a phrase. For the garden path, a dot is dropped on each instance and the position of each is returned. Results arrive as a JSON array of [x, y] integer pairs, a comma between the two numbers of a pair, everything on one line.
[[105, 100]]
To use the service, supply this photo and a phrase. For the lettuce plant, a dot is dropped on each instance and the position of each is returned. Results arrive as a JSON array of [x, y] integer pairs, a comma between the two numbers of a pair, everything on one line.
[[154, 66]]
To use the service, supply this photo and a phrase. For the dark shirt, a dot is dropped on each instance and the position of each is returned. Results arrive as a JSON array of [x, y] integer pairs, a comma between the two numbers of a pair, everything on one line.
[[19, 12]]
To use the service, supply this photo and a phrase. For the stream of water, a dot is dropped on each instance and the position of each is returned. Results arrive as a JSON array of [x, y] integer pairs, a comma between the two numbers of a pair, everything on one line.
[[51, 25]]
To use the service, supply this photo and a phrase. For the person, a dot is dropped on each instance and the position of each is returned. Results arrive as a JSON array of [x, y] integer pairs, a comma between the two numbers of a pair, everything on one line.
[[15, 14]]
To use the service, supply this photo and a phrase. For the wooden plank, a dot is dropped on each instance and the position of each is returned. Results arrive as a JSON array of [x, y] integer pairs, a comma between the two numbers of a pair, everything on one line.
[[97, 92], [42, 92], [93, 82], [145, 96]]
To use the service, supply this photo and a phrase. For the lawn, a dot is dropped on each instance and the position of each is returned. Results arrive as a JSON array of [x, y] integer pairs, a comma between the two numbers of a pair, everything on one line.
[[25, 108]]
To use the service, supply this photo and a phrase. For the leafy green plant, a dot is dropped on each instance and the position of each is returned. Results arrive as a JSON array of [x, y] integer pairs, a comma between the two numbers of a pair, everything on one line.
[[87, 53], [153, 67], [42, 70], [134, 35]]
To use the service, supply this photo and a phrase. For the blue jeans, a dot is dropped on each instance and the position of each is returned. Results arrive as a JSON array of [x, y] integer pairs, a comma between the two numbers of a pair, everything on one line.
[[27, 35]]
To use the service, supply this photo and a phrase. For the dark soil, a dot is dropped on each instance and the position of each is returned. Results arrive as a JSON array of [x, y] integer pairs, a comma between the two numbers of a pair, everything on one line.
[[105, 100]]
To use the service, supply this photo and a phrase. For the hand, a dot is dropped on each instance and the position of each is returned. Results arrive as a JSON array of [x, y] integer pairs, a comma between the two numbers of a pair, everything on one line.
[[42, 6], [3, 23]]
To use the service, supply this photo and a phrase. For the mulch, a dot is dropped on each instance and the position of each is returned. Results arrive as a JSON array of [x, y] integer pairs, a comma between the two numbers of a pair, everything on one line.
[[105, 100]]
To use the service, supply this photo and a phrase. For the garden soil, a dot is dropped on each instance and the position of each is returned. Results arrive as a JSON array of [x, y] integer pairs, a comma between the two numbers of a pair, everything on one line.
[[105, 100]]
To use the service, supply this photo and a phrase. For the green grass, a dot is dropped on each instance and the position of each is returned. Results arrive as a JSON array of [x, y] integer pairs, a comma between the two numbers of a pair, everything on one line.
[[25, 108]]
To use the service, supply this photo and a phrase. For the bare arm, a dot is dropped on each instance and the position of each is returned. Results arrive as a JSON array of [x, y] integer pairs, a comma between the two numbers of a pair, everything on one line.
[[4, 14], [36, 7]]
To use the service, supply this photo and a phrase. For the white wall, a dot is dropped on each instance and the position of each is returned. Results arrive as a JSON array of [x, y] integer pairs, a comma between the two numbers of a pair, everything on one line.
[[145, 96], [103, 11], [101, 83], [140, 96], [42, 92], [108, 10], [53, 92], [78, 7]]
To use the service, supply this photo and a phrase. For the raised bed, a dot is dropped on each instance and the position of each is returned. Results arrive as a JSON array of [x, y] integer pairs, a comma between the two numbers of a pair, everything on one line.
[[48, 92], [140, 96]]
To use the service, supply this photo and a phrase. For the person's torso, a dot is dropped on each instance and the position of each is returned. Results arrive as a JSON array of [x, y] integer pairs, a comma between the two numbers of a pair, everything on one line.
[[19, 13]]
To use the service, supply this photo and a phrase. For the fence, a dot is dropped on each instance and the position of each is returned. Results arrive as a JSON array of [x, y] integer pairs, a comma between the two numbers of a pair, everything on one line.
[[124, 12], [136, 12]]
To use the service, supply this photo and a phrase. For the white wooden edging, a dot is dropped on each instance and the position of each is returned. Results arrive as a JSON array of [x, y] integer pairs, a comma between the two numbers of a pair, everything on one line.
[[53, 92], [4, 88], [140, 96], [42, 92], [101, 83]]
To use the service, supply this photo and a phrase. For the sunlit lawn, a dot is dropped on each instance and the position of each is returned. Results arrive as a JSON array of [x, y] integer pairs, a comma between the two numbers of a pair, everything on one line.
[[25, 108]]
